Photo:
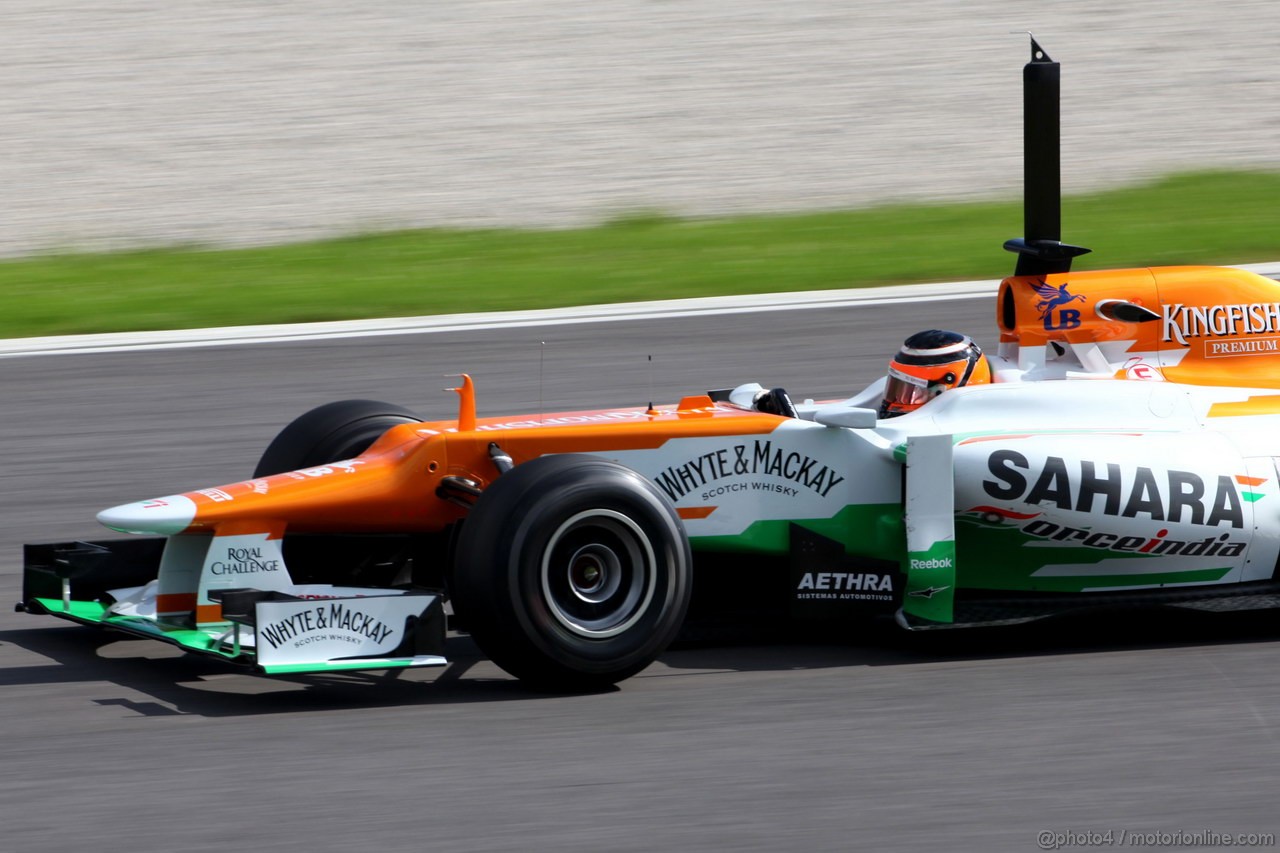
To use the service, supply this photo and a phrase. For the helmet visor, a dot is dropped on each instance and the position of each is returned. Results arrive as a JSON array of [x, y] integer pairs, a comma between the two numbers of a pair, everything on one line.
[[906, 391]]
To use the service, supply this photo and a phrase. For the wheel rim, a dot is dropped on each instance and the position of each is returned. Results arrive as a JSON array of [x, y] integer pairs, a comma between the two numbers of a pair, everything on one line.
[[598, 573]]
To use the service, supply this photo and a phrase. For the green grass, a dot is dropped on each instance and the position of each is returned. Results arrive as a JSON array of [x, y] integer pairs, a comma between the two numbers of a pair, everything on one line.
[[1211, 217]]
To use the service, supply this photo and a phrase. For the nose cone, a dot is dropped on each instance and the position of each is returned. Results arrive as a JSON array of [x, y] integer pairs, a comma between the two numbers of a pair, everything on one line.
[[163, 516]]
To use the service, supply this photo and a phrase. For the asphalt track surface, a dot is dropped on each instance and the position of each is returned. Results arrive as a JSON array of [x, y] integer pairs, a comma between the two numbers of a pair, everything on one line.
[[960, 741]]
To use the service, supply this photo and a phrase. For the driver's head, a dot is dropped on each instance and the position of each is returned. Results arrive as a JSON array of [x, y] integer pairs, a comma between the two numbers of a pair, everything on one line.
[[929, 363]]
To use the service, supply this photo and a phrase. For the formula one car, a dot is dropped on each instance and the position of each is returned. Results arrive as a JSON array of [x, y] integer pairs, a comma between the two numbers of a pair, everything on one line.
[[1123, 453]]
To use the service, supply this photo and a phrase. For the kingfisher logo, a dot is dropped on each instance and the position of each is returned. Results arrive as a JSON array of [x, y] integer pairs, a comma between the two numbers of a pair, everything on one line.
[[1050, 304], [1242, 322]]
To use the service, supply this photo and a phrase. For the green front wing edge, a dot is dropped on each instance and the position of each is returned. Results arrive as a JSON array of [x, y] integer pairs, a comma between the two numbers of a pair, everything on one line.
[[217, 643]]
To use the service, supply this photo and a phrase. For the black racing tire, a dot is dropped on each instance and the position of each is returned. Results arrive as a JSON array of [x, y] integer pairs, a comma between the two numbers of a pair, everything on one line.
[[330, 433], [572, 572]]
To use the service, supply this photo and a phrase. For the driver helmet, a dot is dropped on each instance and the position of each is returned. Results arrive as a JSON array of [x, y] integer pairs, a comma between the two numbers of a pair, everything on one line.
[[929, 363]]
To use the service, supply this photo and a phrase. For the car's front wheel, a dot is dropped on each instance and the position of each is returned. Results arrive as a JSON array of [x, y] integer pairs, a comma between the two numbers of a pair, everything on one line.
[[572, 572]]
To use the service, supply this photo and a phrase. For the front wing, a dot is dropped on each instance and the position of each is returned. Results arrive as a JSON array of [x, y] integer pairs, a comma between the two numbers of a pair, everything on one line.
[[309, 628]]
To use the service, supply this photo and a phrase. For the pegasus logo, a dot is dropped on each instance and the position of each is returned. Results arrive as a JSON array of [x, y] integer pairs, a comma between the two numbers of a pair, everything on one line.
[[1049, 304]]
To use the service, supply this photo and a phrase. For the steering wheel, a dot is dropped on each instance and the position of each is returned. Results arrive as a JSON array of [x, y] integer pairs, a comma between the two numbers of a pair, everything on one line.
[[776, 402]]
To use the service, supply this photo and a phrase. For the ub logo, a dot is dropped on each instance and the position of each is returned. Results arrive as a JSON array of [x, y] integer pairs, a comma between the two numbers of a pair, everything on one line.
[[1051, 298]]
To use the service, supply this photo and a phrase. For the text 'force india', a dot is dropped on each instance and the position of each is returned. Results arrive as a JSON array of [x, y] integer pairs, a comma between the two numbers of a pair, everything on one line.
[[1125, 452]]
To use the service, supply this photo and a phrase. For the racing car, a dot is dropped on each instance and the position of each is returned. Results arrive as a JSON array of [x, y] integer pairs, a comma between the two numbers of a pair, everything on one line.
[[1123, 452]]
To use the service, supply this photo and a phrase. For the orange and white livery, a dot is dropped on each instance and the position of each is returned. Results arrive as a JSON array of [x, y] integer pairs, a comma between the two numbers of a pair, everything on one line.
[[1124, 451]]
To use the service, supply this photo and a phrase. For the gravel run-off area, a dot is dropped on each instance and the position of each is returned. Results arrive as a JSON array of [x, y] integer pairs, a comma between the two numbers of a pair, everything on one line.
[[240, 122]]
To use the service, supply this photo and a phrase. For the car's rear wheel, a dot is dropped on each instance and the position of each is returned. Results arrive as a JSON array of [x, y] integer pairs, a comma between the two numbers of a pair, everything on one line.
[[572, 572], [330, 433]]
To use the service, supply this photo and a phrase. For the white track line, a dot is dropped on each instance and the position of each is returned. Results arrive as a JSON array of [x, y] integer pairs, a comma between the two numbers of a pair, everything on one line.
[[671, 308]]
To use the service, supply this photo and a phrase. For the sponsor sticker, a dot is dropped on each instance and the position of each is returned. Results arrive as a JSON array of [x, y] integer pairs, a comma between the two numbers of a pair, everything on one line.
[[341, 621], [1238, 346], [1239, 329], [827, 584], [931, 578], [1108, 488], [844, 586], [1051, 304], [244, 561], [309, 631], [736, 469], [1137, 369]]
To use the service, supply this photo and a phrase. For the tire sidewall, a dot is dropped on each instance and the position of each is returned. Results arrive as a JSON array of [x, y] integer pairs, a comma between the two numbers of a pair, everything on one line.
[[526, 574], [501, 584]]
